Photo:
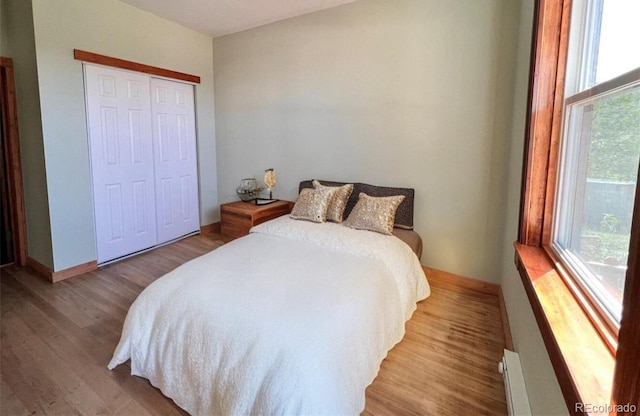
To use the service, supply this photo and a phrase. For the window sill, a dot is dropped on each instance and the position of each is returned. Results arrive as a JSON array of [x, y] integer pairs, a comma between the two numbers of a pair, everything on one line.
[[582, 362]]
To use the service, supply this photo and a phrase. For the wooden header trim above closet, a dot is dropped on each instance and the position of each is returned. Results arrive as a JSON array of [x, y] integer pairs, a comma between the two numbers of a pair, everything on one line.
[[133, 66]]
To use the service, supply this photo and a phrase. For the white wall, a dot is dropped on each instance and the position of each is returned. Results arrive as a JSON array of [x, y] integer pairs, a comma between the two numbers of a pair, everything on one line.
[[18, 44], [399, 93], [544, 392], [112, 28]]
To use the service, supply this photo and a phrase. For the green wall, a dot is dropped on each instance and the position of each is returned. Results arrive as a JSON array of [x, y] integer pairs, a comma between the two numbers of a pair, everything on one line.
[[18, 43], [110, 28], [408, 93]]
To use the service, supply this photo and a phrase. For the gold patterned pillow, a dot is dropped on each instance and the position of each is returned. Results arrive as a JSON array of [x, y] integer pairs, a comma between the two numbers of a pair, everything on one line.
[[312, 204], [374, 213], [338, 202]]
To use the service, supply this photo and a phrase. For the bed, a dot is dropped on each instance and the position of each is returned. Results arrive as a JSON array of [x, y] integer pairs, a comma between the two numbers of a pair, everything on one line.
[[293, 319]]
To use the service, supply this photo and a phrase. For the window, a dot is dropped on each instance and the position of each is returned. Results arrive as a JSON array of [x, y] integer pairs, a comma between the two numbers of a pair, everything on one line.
[[600, 151], [578, 248]]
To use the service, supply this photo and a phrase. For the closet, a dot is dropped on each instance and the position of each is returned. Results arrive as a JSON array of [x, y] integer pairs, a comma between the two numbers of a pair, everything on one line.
[[142, 148]]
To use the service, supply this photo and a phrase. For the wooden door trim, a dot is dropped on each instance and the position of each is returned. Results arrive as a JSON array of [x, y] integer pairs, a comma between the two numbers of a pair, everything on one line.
[[14, 163], [95, 58]]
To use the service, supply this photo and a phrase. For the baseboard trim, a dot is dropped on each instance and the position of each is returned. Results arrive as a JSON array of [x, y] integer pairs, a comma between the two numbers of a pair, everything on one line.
[[461, 281], [211, 228], [508, 340], [39, 268], [477, 285], [58, 276], [74, 271]]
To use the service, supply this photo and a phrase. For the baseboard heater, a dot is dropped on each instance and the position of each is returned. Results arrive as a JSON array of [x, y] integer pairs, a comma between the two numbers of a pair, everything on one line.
[[517, 399]]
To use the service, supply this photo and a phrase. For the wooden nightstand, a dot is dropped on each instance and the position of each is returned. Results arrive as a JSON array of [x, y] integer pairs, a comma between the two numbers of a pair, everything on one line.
[[236, 218]]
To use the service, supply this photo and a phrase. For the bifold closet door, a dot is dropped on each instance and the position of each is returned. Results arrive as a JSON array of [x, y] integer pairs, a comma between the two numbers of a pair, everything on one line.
[[122, 161], [176, 178]]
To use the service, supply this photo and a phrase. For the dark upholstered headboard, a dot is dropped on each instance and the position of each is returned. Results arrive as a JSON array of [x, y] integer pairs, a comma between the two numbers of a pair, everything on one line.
[[404, 214]]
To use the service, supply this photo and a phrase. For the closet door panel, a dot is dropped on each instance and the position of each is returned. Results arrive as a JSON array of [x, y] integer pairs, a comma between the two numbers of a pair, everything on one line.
[[122, 163], [176, 162]]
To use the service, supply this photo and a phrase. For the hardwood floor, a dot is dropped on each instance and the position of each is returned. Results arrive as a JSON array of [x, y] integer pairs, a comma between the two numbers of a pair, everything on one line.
[[447, 362], [56, 340]]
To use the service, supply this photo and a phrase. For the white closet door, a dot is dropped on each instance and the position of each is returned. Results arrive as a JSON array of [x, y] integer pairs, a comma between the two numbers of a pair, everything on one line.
[[121, 147], [172, 108]]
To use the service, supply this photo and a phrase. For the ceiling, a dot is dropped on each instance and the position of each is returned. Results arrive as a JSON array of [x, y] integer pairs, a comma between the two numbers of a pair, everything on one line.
[[222, 17]]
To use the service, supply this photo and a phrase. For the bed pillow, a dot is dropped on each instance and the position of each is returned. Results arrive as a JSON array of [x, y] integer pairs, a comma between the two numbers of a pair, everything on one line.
[[312, 204], [374, 213], [338, 202]]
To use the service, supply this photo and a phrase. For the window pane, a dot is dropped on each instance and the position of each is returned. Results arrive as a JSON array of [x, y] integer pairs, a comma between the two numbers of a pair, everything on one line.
[[598, 180], [614, 36]]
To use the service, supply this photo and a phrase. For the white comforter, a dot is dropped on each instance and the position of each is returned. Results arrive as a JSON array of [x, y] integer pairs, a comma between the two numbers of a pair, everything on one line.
[[293, 319]]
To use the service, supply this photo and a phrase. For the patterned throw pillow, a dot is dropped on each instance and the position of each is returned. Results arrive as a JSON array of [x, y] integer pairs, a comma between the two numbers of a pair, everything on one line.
[[312, 204], [338, 203], [374, 214]]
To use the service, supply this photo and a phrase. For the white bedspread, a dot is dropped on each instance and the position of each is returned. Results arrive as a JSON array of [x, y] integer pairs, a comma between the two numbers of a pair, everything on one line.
[[293, 319]]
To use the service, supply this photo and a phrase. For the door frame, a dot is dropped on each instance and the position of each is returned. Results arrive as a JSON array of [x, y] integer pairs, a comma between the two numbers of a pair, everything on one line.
[[153, 72], [14, 163]]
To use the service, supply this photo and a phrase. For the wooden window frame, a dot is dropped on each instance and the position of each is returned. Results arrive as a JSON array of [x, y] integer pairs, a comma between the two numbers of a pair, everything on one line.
[[614, 370]]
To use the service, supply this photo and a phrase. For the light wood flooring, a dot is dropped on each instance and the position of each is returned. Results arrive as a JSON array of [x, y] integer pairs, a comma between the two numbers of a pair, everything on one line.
[[56, 341]]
